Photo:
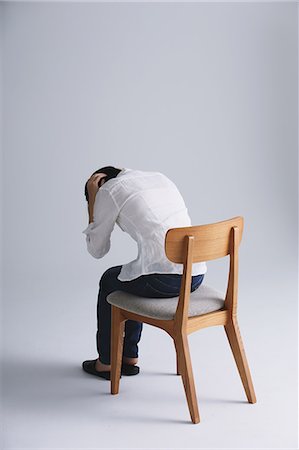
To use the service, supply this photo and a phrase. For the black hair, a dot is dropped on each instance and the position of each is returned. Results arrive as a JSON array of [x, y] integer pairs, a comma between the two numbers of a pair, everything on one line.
[[110, 171]]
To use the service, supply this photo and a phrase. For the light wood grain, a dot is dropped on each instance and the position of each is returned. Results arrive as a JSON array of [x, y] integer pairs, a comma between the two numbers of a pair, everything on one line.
[[118, 326], [187, 245]]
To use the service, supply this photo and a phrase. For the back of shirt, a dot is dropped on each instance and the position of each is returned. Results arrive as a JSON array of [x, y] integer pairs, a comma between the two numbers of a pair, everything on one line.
[[146, 205]]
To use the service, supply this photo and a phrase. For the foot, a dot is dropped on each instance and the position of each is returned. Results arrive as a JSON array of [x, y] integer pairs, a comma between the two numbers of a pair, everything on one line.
[[96, 367], [130, 361], [101, 367]]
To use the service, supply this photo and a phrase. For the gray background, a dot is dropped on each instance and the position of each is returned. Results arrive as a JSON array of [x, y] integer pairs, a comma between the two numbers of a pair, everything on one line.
[[207, 94]]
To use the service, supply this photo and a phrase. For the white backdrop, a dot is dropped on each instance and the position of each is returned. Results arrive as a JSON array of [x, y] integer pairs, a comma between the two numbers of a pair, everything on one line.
[[207, 94]]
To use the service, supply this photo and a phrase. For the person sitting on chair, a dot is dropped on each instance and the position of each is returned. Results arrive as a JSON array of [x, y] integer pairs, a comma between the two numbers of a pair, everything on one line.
[[144, 204]]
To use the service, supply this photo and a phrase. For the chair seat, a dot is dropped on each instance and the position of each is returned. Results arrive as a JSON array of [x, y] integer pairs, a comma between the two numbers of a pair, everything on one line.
[[203, 300]]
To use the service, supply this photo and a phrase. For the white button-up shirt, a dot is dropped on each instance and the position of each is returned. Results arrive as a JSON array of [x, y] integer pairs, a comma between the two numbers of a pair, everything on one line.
[[144, 205]]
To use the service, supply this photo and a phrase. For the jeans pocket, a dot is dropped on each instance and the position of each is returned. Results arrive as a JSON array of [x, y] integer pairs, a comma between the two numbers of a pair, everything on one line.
[[155, 291], [167, 286]]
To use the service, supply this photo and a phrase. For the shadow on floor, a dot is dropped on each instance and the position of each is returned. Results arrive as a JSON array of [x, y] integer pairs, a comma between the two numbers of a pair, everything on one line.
[[42, 387]]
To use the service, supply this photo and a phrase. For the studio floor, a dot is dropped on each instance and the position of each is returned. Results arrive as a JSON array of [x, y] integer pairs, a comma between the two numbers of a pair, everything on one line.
[[51, 403]]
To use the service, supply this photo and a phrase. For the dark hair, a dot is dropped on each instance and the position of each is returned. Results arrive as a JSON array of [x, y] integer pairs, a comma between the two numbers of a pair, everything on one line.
[[110, 171]]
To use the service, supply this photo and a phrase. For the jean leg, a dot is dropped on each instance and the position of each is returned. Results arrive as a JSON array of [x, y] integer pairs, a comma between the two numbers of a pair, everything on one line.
[[109, 283], [133, 330], [103, 335]]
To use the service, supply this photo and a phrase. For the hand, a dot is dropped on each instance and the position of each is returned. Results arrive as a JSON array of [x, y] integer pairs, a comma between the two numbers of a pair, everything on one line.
[[93, 185]]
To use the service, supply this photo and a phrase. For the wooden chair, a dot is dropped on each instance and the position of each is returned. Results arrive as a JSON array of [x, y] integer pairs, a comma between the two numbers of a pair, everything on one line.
[[187, 245]]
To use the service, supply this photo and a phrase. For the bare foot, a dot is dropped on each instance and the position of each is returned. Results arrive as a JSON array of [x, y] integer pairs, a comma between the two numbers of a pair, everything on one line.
[[100, 367], [131, 361]]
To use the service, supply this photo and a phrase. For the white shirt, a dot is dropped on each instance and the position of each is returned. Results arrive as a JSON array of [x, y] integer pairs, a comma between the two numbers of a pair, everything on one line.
[[144, 205]]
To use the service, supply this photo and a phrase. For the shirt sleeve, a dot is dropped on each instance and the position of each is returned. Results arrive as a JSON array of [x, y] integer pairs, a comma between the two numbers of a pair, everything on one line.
[[98, 232]]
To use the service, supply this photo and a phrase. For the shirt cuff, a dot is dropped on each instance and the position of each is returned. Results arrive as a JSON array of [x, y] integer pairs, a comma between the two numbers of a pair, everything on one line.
[[88, 228]]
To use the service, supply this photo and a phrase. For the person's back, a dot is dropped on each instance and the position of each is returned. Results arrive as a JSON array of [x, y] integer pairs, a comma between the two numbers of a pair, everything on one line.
[[146, 204]]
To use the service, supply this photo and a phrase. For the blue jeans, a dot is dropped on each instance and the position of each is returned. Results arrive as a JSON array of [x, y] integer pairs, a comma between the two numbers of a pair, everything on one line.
[[152, 285]]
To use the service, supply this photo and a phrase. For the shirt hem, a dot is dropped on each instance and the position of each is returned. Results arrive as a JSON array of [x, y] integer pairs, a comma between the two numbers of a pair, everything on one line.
[[157, 272]]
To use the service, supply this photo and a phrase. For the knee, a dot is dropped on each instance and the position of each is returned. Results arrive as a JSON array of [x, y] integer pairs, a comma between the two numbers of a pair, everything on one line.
[[105, 278], [108, 276]]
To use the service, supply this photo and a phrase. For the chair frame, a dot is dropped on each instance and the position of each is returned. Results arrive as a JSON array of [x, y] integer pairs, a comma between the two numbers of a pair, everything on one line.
[[187, 245]]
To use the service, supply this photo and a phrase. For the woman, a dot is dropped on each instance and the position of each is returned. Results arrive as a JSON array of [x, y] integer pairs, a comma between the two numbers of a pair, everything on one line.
[[144, 205]]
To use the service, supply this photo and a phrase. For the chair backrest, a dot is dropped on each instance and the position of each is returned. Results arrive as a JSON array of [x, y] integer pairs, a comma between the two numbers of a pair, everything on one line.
[[187, 245], [211, 241]]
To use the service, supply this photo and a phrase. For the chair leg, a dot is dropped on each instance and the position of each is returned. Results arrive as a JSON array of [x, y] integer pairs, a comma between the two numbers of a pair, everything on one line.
[[178, 370], [234, 337], [117, 341], [187, 375]]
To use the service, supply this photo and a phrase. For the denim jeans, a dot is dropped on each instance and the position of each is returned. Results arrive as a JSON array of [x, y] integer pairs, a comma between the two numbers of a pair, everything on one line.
[[152, 285]]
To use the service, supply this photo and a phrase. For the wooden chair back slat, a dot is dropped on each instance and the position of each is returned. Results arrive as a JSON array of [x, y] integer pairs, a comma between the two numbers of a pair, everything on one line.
[[211, 241]]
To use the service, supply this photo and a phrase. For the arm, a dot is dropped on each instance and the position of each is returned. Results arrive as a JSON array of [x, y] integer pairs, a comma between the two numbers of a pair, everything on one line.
[[90, 209], [103, 213], [92, 185]]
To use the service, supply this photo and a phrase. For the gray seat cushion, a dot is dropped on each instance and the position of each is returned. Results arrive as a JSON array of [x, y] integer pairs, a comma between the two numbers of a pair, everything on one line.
[[203, 300]]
